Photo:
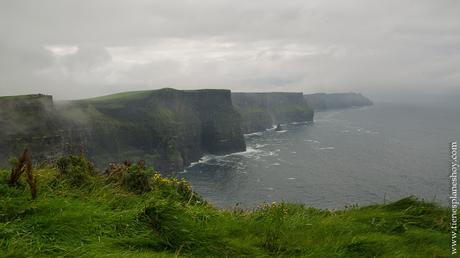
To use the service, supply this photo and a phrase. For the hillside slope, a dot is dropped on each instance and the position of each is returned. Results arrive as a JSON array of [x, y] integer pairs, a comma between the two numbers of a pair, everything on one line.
[[80, 213]]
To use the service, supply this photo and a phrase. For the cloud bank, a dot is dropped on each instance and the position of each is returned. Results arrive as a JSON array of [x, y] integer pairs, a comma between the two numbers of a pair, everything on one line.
[[385, 49]]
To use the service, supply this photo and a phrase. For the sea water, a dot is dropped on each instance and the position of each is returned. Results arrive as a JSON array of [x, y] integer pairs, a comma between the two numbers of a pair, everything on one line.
[[355, 156]]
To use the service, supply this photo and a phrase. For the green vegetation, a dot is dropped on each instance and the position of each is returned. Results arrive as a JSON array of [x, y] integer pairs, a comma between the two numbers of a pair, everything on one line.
[[20, 97], [132, 211], [122, 96]]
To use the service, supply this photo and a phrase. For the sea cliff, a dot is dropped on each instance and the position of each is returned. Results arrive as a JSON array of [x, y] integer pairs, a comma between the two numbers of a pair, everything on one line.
[[263, 110], [168, 128], [29, 121], [323, 101]]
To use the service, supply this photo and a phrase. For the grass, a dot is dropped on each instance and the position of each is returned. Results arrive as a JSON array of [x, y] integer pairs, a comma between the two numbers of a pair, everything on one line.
[[19, 97], [101, 217], [121, 95]]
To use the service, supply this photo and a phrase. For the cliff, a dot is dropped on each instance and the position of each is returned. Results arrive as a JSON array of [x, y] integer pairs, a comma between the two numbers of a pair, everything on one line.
[[263, 110], [323, 101], [29, 121], [168, 128]]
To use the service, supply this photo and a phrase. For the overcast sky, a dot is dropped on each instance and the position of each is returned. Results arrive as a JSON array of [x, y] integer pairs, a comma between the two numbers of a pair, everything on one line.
[[384, 49]]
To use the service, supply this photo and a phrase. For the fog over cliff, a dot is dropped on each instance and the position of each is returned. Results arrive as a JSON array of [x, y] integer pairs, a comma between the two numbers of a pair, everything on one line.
[[387, 50]]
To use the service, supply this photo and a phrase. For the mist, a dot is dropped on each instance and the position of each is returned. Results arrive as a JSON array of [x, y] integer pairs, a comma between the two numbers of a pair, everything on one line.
[[388, 51]]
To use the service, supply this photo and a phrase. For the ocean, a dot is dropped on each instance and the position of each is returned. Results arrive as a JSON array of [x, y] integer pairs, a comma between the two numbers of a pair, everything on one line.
[[345, 157]]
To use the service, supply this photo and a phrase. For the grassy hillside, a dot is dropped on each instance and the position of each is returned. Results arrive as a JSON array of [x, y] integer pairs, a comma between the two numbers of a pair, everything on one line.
[[134, 212]]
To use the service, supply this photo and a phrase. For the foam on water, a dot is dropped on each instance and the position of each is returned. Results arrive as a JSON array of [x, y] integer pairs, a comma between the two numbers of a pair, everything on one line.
[[272, 128], [249, 153], [351, 156], [326, 148], [253, 134], [258, 146]]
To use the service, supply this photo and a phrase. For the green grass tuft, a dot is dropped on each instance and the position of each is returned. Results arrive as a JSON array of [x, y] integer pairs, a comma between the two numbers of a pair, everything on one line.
[[92, 216]]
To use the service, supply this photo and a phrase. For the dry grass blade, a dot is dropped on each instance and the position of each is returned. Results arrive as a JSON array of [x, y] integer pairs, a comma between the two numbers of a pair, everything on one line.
[[24, 165]]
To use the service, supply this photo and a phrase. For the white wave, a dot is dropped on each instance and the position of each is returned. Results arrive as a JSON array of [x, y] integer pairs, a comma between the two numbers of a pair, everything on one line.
[[300, 123], [258, 146], [276, 164], [206, 158], [203, 160], [310, 140], [282, 131], [272, 128], [253, 134], [193, 164], [292, 178], [249, 151], [327, 148]]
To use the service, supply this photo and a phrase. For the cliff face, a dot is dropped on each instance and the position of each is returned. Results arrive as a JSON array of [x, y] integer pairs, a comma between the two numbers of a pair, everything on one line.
[[263, 110], [323, 101], [168, 128], [29, 121]]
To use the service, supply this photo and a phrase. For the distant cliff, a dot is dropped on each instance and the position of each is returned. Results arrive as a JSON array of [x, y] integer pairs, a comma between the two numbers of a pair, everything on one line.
[[263, 110], [323, 101], [29, 121], [168, 128]]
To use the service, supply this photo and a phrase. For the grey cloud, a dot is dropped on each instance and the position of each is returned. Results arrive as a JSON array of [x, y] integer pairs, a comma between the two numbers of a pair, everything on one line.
[[87, 59], [385, 49]]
